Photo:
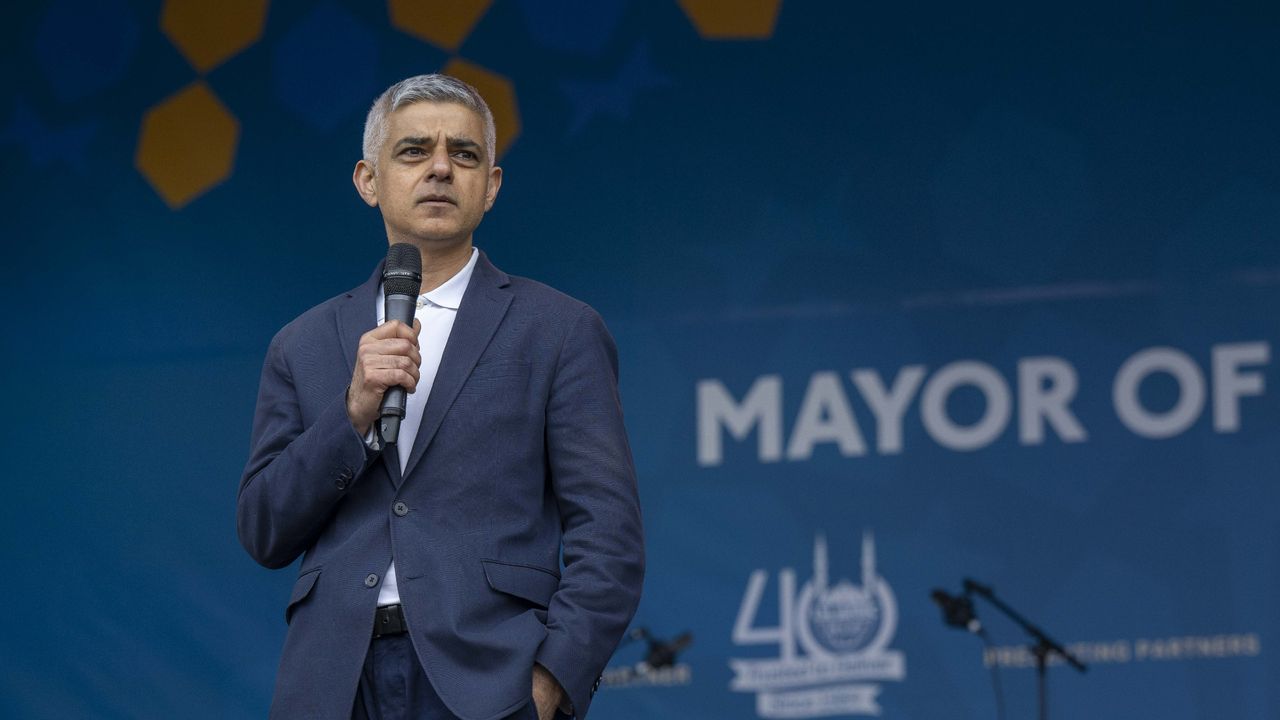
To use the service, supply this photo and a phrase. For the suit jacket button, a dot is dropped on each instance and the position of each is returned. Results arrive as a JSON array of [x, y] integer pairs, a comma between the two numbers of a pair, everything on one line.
[[371, 580], [400, 509], [341, 483]]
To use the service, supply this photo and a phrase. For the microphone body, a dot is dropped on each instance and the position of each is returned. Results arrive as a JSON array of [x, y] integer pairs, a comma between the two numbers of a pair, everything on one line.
[[957, 611], [663, 654], [401, 283]]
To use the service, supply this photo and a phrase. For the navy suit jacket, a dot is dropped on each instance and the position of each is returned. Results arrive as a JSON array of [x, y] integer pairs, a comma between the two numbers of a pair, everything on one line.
[[521, 455]]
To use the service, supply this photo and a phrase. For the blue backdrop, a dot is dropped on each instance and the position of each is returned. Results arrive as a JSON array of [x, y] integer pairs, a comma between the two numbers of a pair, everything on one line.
[[903, 294]]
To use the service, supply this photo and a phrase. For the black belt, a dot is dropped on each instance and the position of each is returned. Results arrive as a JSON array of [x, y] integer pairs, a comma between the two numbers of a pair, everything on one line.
[[389, 620]]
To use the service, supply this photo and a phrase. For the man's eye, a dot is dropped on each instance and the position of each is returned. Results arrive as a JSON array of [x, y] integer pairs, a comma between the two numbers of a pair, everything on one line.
[[412, 151], [465, 155]]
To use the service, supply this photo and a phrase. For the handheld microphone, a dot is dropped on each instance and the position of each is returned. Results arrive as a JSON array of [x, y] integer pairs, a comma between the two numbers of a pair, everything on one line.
[[401, 282]]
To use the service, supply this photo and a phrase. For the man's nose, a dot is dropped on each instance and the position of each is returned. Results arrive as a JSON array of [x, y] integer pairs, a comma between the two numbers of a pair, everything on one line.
[[441, 168]]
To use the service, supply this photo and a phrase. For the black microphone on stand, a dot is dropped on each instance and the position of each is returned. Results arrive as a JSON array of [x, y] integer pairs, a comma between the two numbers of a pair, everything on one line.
[[401, 282], [661, 653], [957, 611]]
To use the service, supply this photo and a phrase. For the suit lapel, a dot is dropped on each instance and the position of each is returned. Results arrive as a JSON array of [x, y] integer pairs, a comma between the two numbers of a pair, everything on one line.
[[483, 306], [357, 316]]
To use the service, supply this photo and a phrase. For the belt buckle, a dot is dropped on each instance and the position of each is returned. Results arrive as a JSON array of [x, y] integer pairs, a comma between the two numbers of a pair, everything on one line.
[[389, 620]]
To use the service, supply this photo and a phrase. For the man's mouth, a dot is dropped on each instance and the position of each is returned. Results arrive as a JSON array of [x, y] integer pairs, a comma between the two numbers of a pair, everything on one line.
[[437, 199]]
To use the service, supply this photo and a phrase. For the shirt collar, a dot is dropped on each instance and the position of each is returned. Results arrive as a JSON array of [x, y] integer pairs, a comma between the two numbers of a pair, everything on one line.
[[449, 295]]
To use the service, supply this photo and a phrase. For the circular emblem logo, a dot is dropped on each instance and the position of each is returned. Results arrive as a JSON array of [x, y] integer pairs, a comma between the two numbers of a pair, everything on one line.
[[844, 619]]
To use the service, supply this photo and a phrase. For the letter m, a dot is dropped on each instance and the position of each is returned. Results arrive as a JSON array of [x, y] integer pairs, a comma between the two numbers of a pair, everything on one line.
[[761, 408]]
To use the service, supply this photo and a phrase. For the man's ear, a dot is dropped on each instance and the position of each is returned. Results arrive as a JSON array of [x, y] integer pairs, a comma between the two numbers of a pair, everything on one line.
[[366, 182], [495, 182]]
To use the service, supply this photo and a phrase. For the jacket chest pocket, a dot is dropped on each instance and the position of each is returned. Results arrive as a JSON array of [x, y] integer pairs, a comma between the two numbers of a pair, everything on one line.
[[497, 393], [501, 378]]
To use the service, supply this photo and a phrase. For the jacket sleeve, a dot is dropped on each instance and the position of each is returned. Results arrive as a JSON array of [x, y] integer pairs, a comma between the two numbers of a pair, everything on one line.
[[296, 474], [594, 481]]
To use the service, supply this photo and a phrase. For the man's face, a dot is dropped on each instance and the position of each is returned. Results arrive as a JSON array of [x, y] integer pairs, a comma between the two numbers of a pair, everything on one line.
[[433, 179]]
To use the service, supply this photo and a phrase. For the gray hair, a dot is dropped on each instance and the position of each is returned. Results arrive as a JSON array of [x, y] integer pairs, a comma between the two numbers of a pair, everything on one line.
[[425, 88]]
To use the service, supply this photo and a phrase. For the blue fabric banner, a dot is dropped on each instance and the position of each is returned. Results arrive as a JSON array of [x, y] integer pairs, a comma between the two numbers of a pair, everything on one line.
[[903, 296]]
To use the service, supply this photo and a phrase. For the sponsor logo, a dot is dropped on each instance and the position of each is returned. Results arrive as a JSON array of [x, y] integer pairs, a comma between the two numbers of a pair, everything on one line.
[[641, 675], [833, 641], [1137, 650]]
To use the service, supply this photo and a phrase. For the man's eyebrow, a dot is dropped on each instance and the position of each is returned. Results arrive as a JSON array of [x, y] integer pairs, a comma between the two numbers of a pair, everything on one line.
[[462, 142], [414, 140]]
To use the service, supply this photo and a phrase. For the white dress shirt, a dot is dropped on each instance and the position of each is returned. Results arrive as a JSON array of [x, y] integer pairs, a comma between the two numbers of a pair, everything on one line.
[[436, 311]]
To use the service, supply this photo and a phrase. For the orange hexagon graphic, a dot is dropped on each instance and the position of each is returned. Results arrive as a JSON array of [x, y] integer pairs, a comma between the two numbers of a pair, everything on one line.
[[498, 92], [208, 33], [732, 19], [445, 23], [187, 145]]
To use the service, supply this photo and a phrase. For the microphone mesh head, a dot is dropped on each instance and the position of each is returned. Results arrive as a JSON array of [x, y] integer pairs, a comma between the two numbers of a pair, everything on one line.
[[403, 272]]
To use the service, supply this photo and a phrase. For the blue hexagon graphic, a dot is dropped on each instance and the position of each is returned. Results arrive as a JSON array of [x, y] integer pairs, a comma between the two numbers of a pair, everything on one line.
[[85, 47], [574, 26], [324, 67], [45, 144]]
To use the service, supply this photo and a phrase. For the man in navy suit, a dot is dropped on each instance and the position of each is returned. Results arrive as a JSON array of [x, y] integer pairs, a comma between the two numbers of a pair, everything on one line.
[[486, 565]]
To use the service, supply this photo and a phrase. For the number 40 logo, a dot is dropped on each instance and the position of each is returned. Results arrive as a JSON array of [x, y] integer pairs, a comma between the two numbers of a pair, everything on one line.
[[831, 639]]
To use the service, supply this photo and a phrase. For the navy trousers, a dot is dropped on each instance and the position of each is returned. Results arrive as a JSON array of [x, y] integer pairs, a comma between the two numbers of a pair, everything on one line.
[[393, 686]]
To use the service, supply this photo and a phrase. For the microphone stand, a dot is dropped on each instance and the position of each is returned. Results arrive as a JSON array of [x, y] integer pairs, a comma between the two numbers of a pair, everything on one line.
[[1042, 649]]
